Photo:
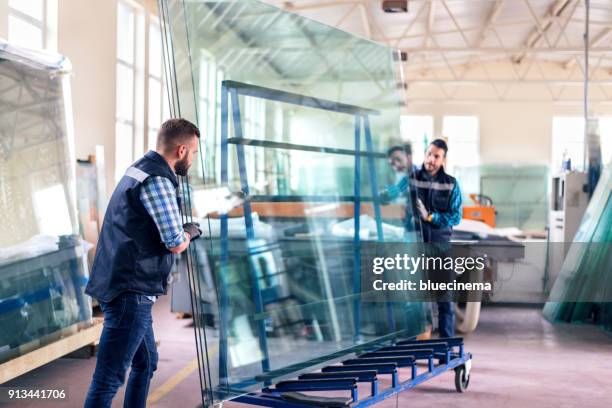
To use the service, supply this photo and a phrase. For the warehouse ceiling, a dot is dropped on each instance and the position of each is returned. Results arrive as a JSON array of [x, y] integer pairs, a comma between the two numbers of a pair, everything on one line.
[[501, 43]]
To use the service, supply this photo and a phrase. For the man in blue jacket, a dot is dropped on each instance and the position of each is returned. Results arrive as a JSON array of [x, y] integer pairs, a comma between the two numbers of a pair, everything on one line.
[[142, 231], [438, 207], [435, 199]]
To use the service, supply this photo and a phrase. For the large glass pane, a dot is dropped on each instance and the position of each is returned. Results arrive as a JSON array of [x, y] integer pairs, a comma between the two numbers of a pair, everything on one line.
[[583, 290], [463, 140], [299, 116], [518, 192], [42, 264]]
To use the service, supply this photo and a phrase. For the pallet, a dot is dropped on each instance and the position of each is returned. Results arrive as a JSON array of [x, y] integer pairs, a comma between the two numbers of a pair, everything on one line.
[[52, 351]]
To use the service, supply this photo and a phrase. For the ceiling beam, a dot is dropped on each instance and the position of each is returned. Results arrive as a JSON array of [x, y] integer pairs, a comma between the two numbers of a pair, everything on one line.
[[500, 50], [365, 20], [429, 23], [491, 19], [471, 100], [431, 17], [599, 38], [482, 35], [538, 34], [409, 27], [485, 81], [291, 6]]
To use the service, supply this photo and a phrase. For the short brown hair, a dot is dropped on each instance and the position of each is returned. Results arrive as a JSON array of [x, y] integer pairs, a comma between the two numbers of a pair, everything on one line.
[[406, 148], [174, 132]]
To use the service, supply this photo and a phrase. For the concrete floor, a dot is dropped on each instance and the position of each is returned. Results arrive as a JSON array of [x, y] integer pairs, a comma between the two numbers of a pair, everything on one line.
[[520, 360]]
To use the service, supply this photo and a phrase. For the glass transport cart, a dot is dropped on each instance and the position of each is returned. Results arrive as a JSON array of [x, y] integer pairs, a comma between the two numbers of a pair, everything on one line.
[[293, 113]]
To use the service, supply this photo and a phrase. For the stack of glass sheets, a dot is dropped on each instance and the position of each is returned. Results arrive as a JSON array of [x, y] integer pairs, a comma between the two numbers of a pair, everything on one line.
[[42, 269], [284, 104], [519, 192], [583, 290]]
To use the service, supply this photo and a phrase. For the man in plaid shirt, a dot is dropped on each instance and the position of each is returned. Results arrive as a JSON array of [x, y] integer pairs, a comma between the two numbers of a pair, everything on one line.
[[142, 231]]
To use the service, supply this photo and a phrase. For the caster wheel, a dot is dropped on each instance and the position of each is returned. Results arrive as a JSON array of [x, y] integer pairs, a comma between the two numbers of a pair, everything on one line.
[[462, 379]]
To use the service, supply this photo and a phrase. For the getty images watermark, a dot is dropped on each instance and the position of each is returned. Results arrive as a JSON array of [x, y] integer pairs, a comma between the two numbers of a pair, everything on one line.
[[440, 271]]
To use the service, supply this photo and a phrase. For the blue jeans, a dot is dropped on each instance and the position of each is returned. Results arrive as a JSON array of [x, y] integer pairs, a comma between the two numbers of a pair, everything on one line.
[[446, 319], [127, 340]]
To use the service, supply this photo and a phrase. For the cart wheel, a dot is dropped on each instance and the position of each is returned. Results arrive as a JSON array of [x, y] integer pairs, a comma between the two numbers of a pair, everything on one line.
[[462, 379]]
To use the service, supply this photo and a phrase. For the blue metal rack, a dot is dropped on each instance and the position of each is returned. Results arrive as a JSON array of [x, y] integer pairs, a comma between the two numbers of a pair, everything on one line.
[[230, 92], [367, 367], [384, 358]]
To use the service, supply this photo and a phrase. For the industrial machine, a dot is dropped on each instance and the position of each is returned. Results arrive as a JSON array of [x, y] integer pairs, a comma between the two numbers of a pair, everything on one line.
[[481, 210], [569, 200]]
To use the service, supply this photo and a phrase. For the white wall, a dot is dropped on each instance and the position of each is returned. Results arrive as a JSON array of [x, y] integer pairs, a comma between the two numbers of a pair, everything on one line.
[[510, 132], [4, 19], [519, 128], [87, 36]]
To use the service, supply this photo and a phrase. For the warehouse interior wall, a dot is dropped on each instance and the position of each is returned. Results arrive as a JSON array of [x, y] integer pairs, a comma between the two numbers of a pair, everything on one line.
[[522, 117], [87, 35], [4, 19], [506, 128]]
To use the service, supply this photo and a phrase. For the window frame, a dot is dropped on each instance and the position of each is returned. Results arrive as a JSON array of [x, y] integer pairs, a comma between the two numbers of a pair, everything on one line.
[[418, 153], [44, 25], [555, 159], [133, 67], [451, 161]]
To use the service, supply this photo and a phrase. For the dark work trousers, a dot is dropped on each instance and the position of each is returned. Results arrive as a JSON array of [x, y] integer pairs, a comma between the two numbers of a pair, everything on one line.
[[127, 340], [446, 319], [446, 307]]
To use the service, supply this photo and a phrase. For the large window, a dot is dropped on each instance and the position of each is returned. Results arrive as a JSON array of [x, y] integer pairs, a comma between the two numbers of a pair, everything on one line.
[[158, 109], [31, 23], [126, 80], [568, 142], [605, 132], [255, 128], [463, 138], [209, 114], [418, 131]]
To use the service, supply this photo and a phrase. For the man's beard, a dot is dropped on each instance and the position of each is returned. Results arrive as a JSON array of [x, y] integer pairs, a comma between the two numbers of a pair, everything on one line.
[[181, 167], [431, 168]]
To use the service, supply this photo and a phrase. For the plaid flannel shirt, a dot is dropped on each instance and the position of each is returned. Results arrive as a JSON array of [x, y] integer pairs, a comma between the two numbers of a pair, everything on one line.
[[158, 196]]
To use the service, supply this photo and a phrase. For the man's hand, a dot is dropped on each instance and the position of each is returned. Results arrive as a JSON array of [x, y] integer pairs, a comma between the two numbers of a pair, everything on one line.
[[193, 229], [384, 197], [423, 213]]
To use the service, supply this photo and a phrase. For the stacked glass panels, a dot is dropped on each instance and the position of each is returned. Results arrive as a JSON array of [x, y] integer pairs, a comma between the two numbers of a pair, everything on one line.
[[583, 290], [42, 267], [300, 116], [519, 192]]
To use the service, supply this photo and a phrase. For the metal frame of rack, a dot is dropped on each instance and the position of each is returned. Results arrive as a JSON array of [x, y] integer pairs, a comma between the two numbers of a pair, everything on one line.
[[230, 92]]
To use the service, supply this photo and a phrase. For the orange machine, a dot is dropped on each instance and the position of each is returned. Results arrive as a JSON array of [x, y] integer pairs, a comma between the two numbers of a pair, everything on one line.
[[482, 210]]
